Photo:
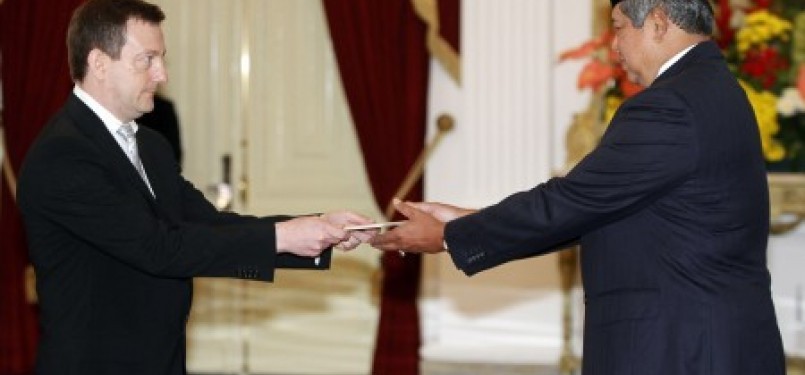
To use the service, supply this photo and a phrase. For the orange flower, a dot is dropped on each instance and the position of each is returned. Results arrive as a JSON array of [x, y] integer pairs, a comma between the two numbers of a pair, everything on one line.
[[595, 74], [629, 88], [587, 48], [603, 66]]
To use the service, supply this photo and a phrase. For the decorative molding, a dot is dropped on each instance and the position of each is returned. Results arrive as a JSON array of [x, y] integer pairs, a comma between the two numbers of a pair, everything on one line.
[[428, 10]]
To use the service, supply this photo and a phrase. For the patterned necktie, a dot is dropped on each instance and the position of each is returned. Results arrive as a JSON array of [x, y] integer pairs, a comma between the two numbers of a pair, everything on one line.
[[128, 134]]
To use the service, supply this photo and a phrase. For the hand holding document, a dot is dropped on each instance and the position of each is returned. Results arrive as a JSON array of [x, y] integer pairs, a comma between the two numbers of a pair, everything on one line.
[[376, 228], [357, 229], [423, 232]]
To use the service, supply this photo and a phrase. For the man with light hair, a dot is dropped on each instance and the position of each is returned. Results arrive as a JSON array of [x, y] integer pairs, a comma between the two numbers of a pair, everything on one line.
[[115, 233]]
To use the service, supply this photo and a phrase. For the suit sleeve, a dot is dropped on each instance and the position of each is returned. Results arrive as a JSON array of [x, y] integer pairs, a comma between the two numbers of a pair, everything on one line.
[[199, 209], [648, 149], [75, 190]]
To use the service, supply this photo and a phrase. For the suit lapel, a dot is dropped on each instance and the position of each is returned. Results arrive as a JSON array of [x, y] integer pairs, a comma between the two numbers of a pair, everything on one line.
[[92, 126], [154, 167]]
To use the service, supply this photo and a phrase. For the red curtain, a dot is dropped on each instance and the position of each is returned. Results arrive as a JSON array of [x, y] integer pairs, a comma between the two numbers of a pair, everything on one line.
[[450, 22], [381, 53], [383, 60], [35, 83]]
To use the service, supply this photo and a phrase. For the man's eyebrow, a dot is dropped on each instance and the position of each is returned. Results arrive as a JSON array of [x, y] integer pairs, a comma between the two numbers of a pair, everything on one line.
[[143, 49], [152, 52]]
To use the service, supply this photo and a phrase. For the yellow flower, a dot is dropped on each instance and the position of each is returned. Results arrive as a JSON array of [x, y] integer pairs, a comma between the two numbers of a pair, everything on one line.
[[759, 28], [612, 104], [764, 103]]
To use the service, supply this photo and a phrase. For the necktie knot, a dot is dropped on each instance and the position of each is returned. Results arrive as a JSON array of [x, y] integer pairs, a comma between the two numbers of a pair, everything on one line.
[[127, 131]]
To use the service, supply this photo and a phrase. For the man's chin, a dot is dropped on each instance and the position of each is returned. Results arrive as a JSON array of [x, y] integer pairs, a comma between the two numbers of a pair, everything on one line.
[[142, 112], [634, 78], [146, 107]]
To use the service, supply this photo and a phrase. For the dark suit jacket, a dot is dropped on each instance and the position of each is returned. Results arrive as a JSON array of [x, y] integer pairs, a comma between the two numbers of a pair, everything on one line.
[[113, 263], [672, 214]]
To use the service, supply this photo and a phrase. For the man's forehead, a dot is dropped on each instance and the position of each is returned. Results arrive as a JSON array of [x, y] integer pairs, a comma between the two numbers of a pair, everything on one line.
[[144, 35], [616, 16]]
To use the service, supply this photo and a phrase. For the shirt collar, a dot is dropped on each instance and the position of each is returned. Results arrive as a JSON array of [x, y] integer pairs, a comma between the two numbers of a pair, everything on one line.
[[674, 59], [112, 123]]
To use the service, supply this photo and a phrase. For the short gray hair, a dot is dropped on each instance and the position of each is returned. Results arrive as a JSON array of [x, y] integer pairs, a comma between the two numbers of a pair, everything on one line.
[[693, 16]]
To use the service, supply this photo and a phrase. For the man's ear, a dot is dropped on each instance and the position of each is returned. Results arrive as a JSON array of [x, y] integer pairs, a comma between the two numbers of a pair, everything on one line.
[[97, 63], [659, 23]]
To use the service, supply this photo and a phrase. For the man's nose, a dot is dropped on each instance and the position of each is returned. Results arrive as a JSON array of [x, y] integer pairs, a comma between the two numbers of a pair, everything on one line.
[[159, 72]]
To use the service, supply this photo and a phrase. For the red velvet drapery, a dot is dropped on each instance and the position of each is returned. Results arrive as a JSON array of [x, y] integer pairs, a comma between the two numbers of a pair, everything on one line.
[[383, 60], [450, 22], [35, 83], [380, 47]]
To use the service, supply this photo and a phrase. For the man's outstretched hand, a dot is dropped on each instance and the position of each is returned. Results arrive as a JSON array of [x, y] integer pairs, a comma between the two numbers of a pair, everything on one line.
[[423, 232], [310, 235]]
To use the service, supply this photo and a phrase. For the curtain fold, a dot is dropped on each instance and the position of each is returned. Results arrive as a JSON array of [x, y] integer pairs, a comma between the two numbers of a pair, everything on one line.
[[450, 22], [35, 82], [380, 48]]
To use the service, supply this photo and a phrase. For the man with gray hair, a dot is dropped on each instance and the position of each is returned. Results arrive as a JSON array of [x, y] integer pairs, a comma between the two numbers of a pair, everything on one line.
[[671, 211]]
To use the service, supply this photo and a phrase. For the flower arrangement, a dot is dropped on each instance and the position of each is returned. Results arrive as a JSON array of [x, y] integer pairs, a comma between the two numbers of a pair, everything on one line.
[[603, 73], [764, 44]]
